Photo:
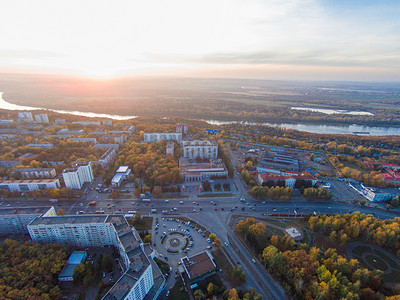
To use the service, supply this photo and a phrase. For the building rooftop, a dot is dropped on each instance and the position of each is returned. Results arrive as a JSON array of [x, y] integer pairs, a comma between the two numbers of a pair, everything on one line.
[[122, 169], [24, 210], [199, 143], [198, 264], [76, 257], [26, 181], [78, 219]]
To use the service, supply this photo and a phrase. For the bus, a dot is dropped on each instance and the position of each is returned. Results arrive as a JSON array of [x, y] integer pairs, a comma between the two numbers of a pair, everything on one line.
[[153, 210], [53, 200], [146, 200], [93, 203], [132, 212]]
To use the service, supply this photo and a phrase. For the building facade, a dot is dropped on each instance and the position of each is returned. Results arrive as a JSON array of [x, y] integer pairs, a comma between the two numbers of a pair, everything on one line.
[[29, 185], [201, 149], [30, 173], [80, 173], [41, 118], [165, 136]]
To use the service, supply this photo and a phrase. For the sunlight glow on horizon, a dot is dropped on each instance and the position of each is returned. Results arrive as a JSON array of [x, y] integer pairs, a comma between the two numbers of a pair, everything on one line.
[[103, 39]]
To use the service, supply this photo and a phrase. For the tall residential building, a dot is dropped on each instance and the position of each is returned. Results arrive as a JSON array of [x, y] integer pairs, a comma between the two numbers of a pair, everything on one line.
[[41, 118], [80, 173], [16, 220], [182, 128], [137, 280], [25, 116], [202, 149], [165, 136]]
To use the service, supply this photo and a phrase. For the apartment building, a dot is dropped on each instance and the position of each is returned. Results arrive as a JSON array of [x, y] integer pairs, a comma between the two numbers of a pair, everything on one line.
[[202, 149], [80, 173], [29, 185], [165, 136]]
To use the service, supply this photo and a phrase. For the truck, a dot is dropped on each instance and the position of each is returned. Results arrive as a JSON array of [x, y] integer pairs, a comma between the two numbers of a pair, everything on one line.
[[93, 203]]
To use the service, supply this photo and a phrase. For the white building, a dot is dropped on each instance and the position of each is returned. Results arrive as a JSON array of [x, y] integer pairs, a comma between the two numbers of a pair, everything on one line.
[[104, 230], [170, 148], [107, 157], [87, 123], [202, 149], [182, 128], [41, 118], [84, 140], [165, 136], [29, 185], [80, 173], [25, 116], [121, 174]]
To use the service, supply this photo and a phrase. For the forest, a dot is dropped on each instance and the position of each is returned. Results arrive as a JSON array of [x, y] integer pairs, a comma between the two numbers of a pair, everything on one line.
[[29, 270], [308, 272], [358, 226]]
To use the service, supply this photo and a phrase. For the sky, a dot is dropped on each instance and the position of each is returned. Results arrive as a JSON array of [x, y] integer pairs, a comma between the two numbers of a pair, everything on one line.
[[265, 39]]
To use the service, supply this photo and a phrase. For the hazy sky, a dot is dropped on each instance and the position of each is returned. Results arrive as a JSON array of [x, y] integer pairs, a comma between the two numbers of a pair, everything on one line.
[[271, 39]]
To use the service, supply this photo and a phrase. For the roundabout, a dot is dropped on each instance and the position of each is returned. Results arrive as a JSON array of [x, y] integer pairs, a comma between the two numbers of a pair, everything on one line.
[[175, 242]]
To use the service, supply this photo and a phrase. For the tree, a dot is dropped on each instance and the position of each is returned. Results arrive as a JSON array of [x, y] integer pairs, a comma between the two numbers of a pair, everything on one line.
[[239, 274], [211, 289], [218, 243], [212, 237], [147, 239], [138, 217], [251, 294], [274, 240], [233, 295], [106, 263], [157, 190], [60, 212], [199, 295]]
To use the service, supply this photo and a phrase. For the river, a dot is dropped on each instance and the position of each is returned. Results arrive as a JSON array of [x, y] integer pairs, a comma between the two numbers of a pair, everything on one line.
[[5, 105], [323, 129]]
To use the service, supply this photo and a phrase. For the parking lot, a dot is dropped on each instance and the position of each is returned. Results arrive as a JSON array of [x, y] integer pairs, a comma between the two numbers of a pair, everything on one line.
[[174, 239]]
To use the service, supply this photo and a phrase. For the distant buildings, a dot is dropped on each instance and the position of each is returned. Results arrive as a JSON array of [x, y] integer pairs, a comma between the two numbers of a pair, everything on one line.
[[29, 185], [170, 148], [158, 137], [108, 156], [43, 146], [76, 176], [107, 122], [122, 174], [25, 116], [192, 171], [67, 132], [107, 146], [199, 266], [211, 131], [201, 149], [87, 123], [29, 173], [84, 140], [182, 128], [41, 118]]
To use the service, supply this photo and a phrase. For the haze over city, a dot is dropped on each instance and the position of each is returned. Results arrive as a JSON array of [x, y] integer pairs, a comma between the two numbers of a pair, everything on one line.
[[286, 39]]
